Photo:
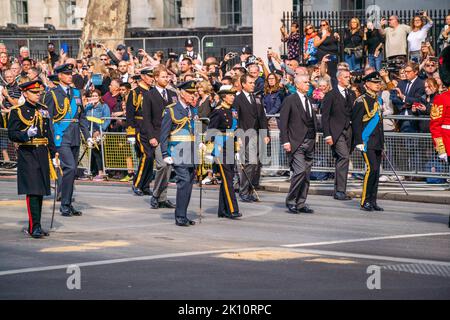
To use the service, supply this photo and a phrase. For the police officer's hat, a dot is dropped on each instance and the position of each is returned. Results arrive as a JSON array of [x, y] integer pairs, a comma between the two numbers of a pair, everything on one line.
[[54, 78], [188, 43], [147, 71], [33, 86], [121, 47], [188, 86], [372, 77], [64, 68], [247, 50], [444, 66], [226, 89]]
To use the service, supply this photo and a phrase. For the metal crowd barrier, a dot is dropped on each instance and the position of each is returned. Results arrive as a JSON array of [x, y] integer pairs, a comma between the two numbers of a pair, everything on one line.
[[412, 154]]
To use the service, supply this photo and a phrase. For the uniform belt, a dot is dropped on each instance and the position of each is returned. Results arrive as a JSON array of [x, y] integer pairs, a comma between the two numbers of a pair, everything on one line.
[[139, 118], [446, 126], [35, 142], [182, 138]]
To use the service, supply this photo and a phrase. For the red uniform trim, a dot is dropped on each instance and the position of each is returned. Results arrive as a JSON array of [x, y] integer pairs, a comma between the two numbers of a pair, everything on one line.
[[30, 218]]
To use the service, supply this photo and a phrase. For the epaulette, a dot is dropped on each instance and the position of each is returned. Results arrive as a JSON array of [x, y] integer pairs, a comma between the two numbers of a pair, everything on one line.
[[171, 105], [360, 98], [43, 105], [16, 107]]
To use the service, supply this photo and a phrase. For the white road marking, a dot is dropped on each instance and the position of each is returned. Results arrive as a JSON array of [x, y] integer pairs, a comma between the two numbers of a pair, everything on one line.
[[372, 257], [403, 236]]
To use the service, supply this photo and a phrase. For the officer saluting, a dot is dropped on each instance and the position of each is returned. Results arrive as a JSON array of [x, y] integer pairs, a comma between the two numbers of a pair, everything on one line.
[[29, 126], [66, 109], [222, 119], [367, 124], [177, 147], [135, 127]]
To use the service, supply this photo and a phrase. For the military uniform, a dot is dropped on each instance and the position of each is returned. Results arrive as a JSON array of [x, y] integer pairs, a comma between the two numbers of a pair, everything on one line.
[[135, 124], [440, 111], [222, 119], [66, 109], [367, 125], [177, 142], [34, 167]]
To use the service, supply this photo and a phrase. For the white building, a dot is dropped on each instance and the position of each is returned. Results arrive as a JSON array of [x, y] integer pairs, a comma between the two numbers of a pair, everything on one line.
[[182, 14]]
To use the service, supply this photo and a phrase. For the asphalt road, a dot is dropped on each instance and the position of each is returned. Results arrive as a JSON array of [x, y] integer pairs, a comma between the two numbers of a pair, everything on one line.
[[125, 250]]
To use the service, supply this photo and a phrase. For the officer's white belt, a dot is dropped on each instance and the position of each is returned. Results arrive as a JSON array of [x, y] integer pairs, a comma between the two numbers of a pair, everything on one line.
[[446, 126]]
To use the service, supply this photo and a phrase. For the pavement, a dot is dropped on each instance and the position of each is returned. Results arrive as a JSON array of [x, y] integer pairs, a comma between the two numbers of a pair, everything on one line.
[[122, 249]]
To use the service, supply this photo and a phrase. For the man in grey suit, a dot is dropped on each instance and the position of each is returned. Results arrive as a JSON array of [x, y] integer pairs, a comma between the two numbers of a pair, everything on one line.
[[298, 127], [337, 130]]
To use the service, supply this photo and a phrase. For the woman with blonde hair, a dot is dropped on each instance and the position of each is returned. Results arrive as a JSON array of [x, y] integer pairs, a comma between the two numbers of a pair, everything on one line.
[[353, 44], [418, 34]]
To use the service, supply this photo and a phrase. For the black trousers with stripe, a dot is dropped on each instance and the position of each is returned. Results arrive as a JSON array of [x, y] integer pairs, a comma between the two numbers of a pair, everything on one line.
[[34, 207], [144, 173], [372, 158], [227, 198]]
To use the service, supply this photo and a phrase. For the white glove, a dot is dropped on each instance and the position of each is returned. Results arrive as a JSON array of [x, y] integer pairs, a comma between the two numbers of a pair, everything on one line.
[[131, 140], [202, 147], [32, 131], [209, 159], [168, 160], [444, 157], [90, 143], [237, 157], [360, 147], [55, 163]]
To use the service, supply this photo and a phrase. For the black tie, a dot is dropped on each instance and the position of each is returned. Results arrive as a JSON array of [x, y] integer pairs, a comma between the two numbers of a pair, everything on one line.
[[252, 98], [68, 93], [308, 112], [408, 86], [164, 94]]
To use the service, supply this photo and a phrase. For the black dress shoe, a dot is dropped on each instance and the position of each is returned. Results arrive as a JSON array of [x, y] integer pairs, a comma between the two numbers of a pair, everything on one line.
[[37, 233], [292, 208], [137, 191], [65, 211], [221, 215], [147, 192], [75, 212], [236, 214], [305, 209], [167, 204], [376, 207], [184, 222], [342, 196], [367, 206], [154, 204]]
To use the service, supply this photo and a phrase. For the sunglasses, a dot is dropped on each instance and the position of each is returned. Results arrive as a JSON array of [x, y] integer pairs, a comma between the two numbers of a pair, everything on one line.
[[308, 28]]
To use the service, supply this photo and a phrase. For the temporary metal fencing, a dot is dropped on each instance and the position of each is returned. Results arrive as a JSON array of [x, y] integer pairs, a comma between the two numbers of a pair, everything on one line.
[[412, 154]]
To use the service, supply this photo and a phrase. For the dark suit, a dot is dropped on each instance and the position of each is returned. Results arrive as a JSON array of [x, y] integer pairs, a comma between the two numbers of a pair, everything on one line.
[[299, 129], [153, 108], [67, 140], [336, 122], [414, 94], [251, 116]]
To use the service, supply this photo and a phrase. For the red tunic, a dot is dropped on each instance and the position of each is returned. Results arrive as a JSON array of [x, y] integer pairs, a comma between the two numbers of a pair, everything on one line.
[[440, 123]]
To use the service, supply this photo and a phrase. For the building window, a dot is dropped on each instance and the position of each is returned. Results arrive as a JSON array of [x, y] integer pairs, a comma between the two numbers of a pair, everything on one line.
[[296, 5], [353, 4], [20, 11], [67, 12], [172, 13], [230, 13]]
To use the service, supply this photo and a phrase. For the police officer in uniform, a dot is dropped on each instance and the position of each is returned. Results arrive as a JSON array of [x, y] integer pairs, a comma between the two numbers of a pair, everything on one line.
[[29, 127], [66, 109], [136, 133], [225, 150], [190, 53], [367, 124], [177, 147]]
